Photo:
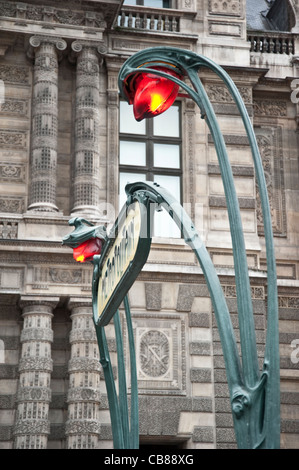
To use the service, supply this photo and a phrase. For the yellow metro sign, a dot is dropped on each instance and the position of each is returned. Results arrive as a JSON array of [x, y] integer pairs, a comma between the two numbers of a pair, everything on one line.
[[122, 259]]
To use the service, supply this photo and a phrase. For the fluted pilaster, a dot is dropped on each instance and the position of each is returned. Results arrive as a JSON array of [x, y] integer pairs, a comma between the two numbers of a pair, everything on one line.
[[43, 169], [32, 424], [113, 65], [82, 426]]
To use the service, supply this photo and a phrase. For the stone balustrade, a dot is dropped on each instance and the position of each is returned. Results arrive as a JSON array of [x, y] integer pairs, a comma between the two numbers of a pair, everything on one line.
[[150, 19], [275, 43]]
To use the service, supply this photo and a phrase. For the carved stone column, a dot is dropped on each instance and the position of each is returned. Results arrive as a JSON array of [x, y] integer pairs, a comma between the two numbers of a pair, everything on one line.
[[42, 195], [86, 186], [82, 426], [34, 394]]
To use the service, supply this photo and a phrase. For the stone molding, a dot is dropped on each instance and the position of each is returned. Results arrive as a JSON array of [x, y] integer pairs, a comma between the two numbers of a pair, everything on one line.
[[271, 149]]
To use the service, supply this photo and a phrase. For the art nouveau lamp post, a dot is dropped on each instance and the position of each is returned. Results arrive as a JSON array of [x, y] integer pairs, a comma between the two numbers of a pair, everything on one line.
[[151, 80]]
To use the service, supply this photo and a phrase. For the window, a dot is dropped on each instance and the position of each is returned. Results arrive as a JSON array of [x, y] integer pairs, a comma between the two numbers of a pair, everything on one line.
[[150, 3], [150, 150]]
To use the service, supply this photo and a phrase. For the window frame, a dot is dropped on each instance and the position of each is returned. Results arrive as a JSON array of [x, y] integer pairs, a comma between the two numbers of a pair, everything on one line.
[[140, 3], [148, 171], [150, 139]]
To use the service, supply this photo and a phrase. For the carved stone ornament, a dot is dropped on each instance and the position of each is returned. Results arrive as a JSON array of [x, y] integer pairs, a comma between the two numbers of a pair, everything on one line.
[[154, 353], [79, 44], [220, 94], [36, 41], [37, 334], [32, 426], [270, 145], [14, 74], [82, 335], [12, 204], [65, 276], [70, 15], [83, 394], [83, 364], [82, 427], [225, 7], [34, 394], [36, 364], [277, 108]]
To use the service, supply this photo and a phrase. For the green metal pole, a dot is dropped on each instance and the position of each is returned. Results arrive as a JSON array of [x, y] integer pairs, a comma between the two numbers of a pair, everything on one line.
[[256, 398]]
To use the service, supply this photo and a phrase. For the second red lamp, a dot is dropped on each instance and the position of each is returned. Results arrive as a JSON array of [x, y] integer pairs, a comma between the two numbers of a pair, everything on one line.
[[87, 250]]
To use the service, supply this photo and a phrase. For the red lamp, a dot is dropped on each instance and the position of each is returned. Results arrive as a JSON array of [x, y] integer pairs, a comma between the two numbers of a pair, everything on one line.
[[151, 94], [87, 250]]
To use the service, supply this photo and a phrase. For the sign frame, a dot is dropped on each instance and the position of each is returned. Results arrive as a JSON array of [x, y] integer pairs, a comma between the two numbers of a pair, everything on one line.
[[140, 247]]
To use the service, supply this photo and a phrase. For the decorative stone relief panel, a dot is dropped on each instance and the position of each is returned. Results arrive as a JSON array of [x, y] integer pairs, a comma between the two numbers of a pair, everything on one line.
[[12, 172], [48, 14], [12, 204], [273, 108], [271, 150], [160, 353], [15, 107], [44, 276], [14, 74], [225, 7], [189, 4], [13, 138], [220, 94]]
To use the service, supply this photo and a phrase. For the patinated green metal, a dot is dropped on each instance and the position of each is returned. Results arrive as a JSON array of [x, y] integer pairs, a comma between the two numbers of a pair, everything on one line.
[[255, 394], [84, 230], [121, 242], [125, 427]]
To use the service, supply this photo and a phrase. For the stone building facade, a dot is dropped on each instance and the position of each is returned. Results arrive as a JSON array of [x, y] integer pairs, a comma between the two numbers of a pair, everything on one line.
[[60, 135]]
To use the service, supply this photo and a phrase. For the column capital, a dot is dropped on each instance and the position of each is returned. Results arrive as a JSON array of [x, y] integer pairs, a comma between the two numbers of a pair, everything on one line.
[[78, 45], [36, 41], [80, 306], [28, 302]]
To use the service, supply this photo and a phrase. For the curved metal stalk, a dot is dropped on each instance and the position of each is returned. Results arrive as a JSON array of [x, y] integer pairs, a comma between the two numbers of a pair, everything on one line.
[[271, 359], [255, 398], [163, 198], [115, 415], [122, 382], [134, 423], [125, 431]]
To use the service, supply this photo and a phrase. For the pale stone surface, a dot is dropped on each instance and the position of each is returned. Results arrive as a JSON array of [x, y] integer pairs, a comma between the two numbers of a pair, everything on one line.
[[183, 388]]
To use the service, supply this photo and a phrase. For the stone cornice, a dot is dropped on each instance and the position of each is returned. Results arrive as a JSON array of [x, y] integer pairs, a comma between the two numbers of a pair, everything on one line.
[[76, 13], [91, 18]]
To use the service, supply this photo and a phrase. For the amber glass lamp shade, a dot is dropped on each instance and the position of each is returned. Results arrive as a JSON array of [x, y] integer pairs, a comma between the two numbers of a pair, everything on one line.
[[87, 250], [151, 94]]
